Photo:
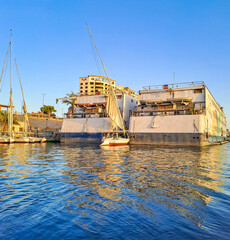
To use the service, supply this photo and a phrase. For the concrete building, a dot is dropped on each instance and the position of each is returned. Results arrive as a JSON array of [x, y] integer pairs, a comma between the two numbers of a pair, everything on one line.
[[94, 84]]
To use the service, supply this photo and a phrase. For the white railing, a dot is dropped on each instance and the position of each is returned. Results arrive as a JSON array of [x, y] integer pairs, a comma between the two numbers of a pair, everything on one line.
[[174, 85]]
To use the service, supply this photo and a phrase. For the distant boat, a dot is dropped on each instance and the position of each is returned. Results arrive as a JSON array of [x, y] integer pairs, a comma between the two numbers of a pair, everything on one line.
[[6, 140], [25, 138], [11, 138], [37, 140]]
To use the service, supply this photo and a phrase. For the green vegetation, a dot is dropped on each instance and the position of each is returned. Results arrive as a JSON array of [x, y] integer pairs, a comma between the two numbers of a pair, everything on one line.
[[4, 118], [71, 101], [47, 109]]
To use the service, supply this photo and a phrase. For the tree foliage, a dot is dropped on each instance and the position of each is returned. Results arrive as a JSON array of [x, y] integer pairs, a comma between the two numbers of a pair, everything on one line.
[[47, 109], [71, 102], [4, 119]]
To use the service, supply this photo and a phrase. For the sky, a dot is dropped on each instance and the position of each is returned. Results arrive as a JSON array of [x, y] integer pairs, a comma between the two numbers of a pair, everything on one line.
[[141, 43]]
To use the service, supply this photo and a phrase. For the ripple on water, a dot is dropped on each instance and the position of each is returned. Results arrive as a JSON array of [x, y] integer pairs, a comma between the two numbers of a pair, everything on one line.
[[72, 191]]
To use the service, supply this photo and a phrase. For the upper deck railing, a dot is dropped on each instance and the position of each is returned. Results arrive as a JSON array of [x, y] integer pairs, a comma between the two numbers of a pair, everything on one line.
[[174, 85]]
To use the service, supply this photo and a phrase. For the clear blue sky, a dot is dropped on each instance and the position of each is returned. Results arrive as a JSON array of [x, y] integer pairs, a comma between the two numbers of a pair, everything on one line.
[[141, 43]]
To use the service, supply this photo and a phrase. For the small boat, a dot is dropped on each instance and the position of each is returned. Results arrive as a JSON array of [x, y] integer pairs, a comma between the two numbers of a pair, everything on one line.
[[43, 140], [6, 140], [53, 140], [114, 141], [9, 139], [22, 140], [37, 140]]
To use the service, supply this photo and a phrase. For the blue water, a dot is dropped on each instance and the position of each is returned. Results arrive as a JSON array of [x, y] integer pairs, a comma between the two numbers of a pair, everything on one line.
[[58, 191]]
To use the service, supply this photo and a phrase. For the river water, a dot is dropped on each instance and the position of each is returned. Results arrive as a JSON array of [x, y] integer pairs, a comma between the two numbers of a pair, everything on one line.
[[59, 191]]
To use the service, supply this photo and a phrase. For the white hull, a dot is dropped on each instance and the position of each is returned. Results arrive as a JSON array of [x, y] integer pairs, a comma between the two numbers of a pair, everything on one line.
[[37, 140], [22, 140], [6, 140], [115, 141]]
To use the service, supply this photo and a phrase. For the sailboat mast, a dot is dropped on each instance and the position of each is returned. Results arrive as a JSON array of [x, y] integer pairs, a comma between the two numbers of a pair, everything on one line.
[[98, 52], [26, 120], [111, 87], [11, 92]]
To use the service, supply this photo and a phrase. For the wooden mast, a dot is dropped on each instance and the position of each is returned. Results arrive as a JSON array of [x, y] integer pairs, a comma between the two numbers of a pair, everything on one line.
[[111, 87], [26, 120], [11, 92]]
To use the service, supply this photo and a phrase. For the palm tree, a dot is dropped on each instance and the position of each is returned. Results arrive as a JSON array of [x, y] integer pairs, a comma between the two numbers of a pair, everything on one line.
[[4, 120], [71, 101]]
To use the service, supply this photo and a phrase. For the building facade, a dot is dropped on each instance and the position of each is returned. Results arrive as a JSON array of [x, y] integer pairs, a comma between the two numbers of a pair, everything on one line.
[[94, 84]]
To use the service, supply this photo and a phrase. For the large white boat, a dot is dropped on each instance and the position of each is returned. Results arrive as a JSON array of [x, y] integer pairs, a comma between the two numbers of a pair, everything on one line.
[[177, 114], [90, 121]]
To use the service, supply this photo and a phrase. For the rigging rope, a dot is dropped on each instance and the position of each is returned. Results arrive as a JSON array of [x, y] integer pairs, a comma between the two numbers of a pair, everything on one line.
[[95, 56], [3, 75]]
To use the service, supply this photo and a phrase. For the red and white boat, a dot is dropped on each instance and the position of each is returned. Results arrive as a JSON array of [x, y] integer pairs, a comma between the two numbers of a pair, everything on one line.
[[115, 141], [6, 140], [22, 140]]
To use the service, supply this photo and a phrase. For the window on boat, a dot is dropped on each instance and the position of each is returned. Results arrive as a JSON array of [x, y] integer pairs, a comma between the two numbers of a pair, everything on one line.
[[197, 90]]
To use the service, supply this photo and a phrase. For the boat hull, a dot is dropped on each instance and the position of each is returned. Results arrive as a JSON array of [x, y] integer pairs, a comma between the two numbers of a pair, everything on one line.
[[37, 140], [115, 142], [22, 140], [6, 140], [78, 137], [175, 139]]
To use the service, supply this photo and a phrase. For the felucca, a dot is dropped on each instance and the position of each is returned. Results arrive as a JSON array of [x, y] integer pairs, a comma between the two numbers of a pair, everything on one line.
[[26, 138], [9, 138], [113, 112]]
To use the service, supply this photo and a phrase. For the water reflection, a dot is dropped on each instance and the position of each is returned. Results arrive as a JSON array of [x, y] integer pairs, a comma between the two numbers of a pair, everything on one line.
[[180, 179], [98, 189]]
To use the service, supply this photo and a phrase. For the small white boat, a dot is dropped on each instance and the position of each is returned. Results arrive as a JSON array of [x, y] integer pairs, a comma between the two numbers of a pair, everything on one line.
[[115, 141], [22, 140], [6, 140], [37, 140]]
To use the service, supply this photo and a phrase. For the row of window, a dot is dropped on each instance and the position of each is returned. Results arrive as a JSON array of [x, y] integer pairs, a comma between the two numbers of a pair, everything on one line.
[[87, 91], [96, 87]]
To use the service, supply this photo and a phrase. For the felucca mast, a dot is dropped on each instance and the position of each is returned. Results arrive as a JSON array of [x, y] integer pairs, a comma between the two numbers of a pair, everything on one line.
[[11, 92], [26, 120], [111, 87], [98, 53], [4, 63]]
